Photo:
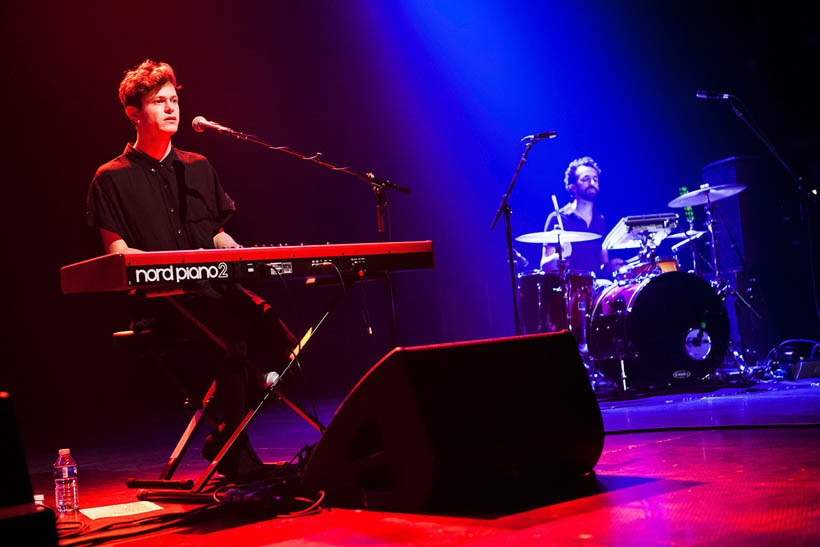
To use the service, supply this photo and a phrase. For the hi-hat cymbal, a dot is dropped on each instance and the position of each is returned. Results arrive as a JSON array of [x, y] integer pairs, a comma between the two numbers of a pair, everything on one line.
[[553, 236], [706, 195]]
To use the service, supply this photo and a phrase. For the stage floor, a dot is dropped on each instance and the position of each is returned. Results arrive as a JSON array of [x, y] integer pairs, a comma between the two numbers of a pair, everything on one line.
[[727, 466]]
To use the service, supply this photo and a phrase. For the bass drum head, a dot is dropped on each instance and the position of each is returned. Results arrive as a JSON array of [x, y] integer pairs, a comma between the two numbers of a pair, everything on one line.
[[675, 330]]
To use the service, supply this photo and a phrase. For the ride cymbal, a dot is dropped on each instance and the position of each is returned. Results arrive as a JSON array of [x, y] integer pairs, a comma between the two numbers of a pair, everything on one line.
[[708, 194]]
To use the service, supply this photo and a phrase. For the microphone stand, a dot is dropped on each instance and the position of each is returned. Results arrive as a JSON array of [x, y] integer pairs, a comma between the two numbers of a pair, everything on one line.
[[808, 196], [505, 208], [759, 134], [379, 187]]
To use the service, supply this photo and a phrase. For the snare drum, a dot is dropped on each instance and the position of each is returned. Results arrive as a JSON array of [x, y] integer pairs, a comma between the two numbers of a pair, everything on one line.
[[668, 328]]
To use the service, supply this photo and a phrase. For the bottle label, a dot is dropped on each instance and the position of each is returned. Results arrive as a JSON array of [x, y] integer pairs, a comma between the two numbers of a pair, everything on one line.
[[68, 472]]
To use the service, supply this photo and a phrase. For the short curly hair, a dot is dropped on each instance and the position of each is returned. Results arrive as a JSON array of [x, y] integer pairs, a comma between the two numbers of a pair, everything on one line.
[[569, 175], [143, 80]]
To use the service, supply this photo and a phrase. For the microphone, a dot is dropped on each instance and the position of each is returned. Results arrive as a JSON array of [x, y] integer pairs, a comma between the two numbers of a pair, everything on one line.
[[271, 379], [540, 136], [703, 94], [200, 124]]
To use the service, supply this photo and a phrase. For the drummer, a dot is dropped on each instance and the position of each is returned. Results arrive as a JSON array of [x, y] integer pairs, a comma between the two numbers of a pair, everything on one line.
[[581, 180]]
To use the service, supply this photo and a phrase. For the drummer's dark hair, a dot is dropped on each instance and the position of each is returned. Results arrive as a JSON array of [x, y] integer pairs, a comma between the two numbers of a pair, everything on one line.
[[569, 175]]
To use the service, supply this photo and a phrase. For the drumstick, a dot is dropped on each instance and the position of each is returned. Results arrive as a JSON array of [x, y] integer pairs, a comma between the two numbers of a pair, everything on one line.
[[555, 204]]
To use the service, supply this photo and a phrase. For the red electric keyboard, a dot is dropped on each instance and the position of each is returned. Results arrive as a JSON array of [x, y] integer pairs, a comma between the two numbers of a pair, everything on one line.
[[126, 272]]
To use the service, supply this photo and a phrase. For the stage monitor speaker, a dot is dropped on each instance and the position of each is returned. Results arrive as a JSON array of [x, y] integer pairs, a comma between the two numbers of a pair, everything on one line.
[[20, 517], [463, 426]]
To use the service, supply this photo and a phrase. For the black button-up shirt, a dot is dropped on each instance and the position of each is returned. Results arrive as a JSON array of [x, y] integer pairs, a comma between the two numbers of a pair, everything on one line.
[[176, 203], [585, 255]]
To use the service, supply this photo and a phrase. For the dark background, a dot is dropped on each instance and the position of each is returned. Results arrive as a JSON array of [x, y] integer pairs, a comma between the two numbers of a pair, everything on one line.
[[433, 96]]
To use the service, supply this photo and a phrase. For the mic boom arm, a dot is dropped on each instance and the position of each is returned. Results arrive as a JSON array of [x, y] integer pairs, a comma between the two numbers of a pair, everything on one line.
[[200, 124]]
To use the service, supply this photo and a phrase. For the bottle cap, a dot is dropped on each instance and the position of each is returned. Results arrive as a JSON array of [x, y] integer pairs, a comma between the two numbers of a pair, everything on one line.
[[64, 451]]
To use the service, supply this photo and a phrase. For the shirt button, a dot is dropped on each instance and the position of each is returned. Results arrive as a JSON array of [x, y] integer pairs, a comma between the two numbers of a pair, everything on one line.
[[153, 170], [179, 232], [172, 209]]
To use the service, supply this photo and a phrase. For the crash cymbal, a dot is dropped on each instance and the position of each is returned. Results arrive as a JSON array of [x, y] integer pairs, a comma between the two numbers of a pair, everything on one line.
[[553, 236], [690, 234], [706, 195]]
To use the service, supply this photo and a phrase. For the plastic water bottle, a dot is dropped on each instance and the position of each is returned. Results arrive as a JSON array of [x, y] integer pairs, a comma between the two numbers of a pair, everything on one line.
[[65, 482]]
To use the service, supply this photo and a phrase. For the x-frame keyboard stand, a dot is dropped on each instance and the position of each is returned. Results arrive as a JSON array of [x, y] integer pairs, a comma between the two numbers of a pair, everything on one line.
[[188, 491]]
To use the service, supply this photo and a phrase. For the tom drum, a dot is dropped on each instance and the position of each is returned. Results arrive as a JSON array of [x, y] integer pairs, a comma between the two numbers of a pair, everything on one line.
[[542, 306]]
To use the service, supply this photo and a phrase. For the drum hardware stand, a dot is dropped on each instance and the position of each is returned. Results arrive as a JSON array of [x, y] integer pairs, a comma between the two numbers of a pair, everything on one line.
[[710, 225], [592, 371], [648, 253], [693, 249], [596, 376], [734, 364], [562, 268], [695, 254], [565, 288], [722, 286], [624, 385], [562, 276], [736, 351]]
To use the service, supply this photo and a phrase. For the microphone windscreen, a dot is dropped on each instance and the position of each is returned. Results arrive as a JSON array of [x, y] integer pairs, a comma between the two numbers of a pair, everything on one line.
[[271, 379], [195, 123]]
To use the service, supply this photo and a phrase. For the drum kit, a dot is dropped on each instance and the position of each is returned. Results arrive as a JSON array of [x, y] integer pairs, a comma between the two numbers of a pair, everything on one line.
[[651, 325]]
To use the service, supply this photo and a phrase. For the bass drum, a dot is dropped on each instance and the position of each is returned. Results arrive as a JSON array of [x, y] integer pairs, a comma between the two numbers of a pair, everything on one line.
[[670, 328]]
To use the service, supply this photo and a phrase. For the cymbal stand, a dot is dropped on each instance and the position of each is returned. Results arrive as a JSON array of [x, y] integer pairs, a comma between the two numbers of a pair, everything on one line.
[[562, 267], [693, 249], [562, 276], [722, 286], [710, 225]]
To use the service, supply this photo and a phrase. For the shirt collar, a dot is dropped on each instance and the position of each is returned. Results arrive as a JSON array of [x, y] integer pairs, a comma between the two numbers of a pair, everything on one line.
[[144, 159], [568, 212]]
